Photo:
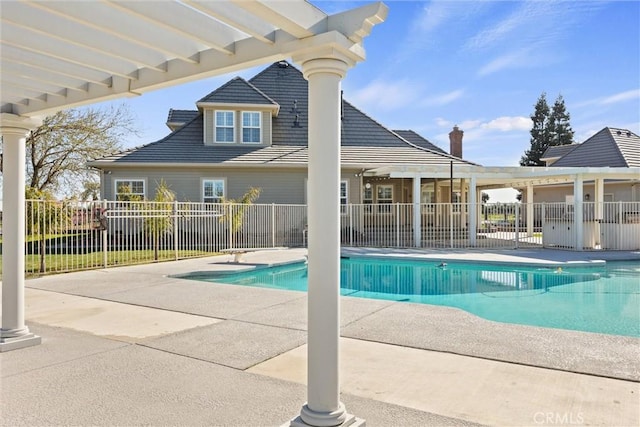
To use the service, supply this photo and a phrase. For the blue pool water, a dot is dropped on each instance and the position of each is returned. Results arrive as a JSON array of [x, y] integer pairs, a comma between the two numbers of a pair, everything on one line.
[[594, 299]]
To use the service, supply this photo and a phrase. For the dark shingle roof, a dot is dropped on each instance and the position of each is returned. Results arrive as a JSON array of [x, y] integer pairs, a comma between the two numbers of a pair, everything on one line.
[[610, 147], [419, 140], [178, 118], [238, 91], [557, 151], [364, 141]]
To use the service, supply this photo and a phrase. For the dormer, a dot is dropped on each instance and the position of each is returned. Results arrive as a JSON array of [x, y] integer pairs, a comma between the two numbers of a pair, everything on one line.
[[237, 113]]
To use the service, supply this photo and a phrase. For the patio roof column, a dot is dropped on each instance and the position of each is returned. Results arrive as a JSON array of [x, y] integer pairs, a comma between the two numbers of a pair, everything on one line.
[[529, 208], [14, 333], [578, 215], [598, 209], [473, 210], [324, 70], [417, 215]]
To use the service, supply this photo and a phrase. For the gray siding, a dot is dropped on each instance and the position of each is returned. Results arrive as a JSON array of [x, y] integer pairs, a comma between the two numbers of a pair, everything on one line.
[[624, 192], [278, 186]]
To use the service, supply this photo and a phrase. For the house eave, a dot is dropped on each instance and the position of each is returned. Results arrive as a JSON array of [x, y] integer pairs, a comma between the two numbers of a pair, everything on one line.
[[275, 109]]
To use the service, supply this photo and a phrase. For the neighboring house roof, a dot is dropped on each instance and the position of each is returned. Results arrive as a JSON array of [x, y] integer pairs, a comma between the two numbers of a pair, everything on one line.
[[419, 140], [612, 147], [238, 91], [557, 151], [365, 142], [178, 118]]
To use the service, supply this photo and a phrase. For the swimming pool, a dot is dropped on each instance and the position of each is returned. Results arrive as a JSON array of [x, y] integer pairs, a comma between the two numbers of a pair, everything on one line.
[[604, 299]]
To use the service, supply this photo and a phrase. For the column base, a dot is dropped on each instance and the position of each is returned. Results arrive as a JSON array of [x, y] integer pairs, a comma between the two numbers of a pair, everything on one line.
[[22, 341], [351, 421]]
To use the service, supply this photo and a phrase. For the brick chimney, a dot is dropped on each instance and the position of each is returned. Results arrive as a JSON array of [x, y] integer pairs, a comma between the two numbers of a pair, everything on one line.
[[455, 142]]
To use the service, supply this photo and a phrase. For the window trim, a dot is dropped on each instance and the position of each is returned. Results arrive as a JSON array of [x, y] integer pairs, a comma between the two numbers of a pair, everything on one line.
[[243, 127], [215, 126], [213, 179], [343, 206], [130, 180]]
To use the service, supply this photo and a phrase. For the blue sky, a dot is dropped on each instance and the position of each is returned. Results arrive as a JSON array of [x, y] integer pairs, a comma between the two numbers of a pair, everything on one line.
[[481, 65]]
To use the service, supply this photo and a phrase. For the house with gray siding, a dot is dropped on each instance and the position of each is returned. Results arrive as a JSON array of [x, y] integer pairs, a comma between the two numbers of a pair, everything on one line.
[[253, 133]]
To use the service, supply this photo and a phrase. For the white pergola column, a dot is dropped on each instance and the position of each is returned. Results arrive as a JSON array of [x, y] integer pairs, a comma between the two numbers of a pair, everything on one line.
[[578, 224], [417, 215], [529, 207], [598, 198], [323, 407], [473, 210], [14, 333]]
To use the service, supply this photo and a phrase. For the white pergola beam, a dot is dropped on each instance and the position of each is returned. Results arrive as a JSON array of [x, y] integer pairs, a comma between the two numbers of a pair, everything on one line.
[[66, 34], [52, 66], [176, 18], [296, 18], [236, 17]]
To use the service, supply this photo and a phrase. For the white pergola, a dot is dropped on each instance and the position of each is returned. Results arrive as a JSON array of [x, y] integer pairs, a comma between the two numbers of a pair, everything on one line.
[[485, 178], [60, 54]]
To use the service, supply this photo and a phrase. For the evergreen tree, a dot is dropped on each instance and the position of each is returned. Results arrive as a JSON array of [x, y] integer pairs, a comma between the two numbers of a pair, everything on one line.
[[551, 127], [559, 120], [539, 134]]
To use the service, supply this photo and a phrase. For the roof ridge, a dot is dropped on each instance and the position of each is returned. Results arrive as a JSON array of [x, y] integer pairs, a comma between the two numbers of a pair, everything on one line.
[[257, 89]]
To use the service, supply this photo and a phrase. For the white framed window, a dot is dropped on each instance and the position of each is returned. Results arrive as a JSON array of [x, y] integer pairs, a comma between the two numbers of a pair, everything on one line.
[[129, 189], [224, 126], [384, 198], [213, 190], [344, 196], [251, 127]]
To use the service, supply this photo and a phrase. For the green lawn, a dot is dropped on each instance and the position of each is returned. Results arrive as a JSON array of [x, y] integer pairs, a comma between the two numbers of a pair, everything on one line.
[[71, 262]]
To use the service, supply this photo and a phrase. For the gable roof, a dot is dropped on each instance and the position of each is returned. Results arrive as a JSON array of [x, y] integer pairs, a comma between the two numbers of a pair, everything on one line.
[[612, 147], [419, 140], [365, 142], [238, 91], [557, 151]]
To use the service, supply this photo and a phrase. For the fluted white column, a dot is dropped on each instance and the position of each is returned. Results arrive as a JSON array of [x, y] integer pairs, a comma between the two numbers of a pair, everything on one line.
[[323, 407], [14, 333]]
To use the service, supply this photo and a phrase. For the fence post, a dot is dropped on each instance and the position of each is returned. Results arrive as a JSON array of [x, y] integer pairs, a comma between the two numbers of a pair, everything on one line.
[[273, 225], [175, 229], [230, 216], [105, 235], [350, 205], [517, 236], [397, 225]]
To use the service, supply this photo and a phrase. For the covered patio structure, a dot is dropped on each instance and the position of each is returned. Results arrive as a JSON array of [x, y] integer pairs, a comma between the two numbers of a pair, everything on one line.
[[58, 55], [470, 180]]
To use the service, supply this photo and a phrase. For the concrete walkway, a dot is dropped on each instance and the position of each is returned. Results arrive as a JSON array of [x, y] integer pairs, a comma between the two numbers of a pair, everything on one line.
[[133, 346]]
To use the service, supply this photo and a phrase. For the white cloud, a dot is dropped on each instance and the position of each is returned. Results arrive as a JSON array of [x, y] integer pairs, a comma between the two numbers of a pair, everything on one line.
[[622, 96], [443, 99], [518, 59], [385, 96], [611, 99], [508, 124], [443, 122]]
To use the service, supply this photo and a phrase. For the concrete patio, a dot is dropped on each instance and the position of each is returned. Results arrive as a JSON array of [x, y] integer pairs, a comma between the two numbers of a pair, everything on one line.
[[134, 346]]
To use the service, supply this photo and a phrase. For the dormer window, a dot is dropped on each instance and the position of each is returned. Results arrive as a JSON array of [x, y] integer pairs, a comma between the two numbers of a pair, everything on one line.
[[251, 127], [224, 126]]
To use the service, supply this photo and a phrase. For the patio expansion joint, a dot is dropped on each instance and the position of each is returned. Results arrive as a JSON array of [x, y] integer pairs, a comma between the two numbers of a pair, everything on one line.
[[64, 362], [494, 359], [127, 303], [199, 359]]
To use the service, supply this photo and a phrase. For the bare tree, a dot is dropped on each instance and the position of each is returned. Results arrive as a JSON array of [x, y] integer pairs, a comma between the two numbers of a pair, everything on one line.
[[58, 150]]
